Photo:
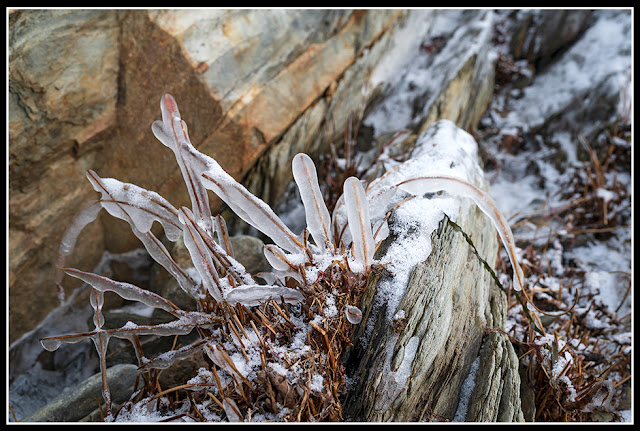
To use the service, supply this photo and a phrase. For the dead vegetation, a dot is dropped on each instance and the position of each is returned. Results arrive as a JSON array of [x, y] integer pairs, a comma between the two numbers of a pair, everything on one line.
[[581, 371], [273, 349]]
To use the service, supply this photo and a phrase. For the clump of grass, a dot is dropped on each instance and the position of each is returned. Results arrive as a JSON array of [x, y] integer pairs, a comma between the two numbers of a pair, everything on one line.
[[274, 347]]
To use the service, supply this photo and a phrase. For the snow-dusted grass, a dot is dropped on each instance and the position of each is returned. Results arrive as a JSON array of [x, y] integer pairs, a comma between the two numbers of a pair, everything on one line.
[[314, 285]]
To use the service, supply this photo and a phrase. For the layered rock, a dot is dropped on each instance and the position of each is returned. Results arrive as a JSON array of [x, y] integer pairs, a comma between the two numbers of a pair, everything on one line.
[[83, 95], [411, 355], [63, 71]]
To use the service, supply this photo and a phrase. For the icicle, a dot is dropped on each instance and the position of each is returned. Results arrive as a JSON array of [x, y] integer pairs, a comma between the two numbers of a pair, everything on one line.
[[456, 186], [359, 222], [86, 216], [70, 237]]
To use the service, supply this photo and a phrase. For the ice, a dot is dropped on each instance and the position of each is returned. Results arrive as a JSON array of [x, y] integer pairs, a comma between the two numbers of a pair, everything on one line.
[[232, 410], [316, 213], [276, 257], [359, 222], [143, 207], [251, 209], [457, 187], [124, 290], [173, 133], [256, 294], [354, 315], [200, 256], [86, 216]]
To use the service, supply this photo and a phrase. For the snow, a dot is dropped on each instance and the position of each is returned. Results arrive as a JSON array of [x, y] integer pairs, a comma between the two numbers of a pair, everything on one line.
[[465, 392], [406, 71], [599, 56]]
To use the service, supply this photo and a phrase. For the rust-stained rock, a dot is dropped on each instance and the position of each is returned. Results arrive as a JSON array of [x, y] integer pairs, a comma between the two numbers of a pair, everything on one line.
[[63, 67], [85, 87]]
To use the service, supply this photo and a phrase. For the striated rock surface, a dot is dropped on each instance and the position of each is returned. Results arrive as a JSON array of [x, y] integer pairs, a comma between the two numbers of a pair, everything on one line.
[[63, 70], [85, 87], [536, 35], [496, 394], [75, 404], [411, 367]]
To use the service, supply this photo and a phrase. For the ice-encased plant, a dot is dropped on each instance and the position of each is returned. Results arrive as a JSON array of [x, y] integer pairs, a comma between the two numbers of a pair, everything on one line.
[[275, 345]]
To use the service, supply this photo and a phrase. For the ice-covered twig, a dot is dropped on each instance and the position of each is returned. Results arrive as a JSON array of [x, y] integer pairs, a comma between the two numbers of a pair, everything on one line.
[[430, 184], [251, 209], [201, 255], [124, 290], [155, 248], [256, 294], [172, 132]]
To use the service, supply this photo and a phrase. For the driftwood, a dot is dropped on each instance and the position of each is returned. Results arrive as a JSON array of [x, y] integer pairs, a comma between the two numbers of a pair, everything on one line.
[[412, 369]]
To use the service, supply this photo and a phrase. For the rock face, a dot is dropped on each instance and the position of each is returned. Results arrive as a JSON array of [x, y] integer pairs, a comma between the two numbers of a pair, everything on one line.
[[63, 70], [538, 34], [85, 87], [75, 404], [412, 367]]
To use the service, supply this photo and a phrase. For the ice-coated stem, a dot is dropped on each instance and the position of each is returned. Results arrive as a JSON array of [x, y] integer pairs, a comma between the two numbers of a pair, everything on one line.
[[316, 212], [359, 221], [459, 187]]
